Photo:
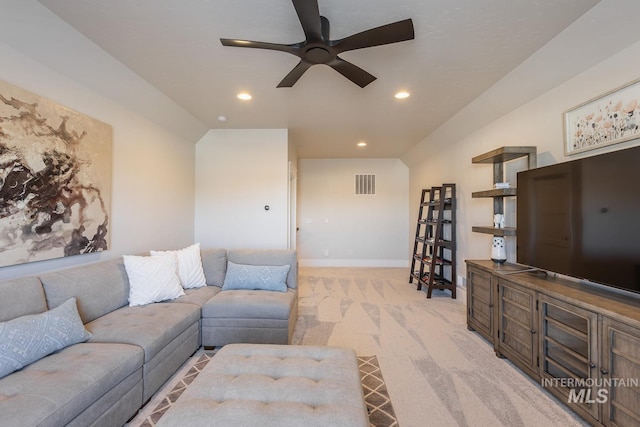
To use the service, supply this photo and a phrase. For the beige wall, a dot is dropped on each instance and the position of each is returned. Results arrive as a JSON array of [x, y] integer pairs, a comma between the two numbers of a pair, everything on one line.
[[238, 173], [153, 181], [446, 155], [339, 228], [153, 189]]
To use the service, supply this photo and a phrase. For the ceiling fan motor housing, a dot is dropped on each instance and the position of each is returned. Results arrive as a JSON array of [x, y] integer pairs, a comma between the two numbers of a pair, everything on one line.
[[318, 55], [319, 49]]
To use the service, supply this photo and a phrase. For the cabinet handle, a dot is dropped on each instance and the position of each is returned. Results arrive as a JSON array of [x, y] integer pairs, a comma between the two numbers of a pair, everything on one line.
[[490, 305], [604, 371], [592, 366], [533, 331]]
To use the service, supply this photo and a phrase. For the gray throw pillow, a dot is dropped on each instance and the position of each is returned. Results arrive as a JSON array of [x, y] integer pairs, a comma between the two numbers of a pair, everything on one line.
[[25, 339], [257, 277]]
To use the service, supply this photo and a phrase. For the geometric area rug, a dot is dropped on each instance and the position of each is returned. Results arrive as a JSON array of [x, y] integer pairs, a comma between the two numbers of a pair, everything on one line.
[[379, 406], [375, 393]]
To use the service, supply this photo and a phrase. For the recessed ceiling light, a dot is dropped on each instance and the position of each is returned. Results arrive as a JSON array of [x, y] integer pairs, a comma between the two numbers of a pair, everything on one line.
[[222, 118], [362, 144], [244, 96], [402, 94]]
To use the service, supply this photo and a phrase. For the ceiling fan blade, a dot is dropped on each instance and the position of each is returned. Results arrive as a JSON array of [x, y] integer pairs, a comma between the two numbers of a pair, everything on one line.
[[352, 72], [325, 28], [390, 33], [309, 16], [293, 76], [289, 48]]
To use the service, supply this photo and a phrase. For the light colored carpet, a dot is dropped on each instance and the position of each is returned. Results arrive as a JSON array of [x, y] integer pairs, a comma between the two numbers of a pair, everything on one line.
[[437, 372]]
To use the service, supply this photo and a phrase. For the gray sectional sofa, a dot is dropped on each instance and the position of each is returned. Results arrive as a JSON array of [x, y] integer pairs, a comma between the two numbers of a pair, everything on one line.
[[132, 351]]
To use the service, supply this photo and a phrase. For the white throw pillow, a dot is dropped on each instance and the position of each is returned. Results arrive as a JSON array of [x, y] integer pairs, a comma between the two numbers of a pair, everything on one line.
[[190, 269], [152, 279]]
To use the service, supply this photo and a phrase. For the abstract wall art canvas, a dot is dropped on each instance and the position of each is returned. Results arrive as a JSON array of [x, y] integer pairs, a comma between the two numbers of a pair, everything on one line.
[[55, 179]]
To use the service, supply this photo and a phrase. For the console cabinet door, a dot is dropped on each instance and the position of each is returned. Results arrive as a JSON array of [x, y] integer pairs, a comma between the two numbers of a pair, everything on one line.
[[569, 355], [621, 367], [480, 302], [517, 326]]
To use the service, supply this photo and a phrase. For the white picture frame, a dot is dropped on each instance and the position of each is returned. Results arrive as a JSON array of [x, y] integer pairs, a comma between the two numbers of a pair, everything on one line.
[[610, 118]]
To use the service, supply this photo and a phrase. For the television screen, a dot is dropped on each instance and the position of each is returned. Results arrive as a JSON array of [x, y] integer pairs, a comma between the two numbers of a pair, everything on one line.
[[582, 218]]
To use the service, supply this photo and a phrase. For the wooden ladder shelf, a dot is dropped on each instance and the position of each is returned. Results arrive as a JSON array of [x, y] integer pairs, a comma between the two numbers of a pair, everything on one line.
[[434, 251]]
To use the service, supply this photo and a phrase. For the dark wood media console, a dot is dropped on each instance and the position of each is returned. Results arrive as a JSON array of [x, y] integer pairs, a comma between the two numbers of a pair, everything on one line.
[[581, 342]]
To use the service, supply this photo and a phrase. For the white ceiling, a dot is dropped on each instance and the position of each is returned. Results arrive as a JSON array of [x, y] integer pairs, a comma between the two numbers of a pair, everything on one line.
[[462, 47]]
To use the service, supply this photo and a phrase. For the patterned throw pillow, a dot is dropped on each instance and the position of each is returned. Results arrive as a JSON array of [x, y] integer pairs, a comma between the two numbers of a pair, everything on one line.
[[26, 339], [190, 269], [259, 277], [152, 278]]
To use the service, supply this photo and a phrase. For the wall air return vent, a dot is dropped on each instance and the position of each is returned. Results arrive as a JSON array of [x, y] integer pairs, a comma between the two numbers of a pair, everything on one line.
[[365, 184]]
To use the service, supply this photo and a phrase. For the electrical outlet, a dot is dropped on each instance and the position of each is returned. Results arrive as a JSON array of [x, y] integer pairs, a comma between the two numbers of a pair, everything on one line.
[[462, 281]]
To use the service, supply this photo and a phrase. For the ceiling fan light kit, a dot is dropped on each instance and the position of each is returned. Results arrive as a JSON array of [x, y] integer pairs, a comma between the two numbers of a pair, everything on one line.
[[318, 48]]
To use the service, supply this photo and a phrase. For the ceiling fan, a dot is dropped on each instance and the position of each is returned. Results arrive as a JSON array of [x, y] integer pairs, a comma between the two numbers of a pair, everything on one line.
[[318, 48]]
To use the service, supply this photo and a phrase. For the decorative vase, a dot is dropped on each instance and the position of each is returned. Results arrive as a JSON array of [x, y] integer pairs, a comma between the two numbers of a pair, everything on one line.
[[498, 249]]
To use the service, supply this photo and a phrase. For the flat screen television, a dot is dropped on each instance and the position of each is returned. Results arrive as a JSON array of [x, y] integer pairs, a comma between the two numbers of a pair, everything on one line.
[[582, 219]]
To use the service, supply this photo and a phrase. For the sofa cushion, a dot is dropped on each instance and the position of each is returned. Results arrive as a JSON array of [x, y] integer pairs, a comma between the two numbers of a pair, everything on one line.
[[25, 339], [190, 270], [19, 297], [98, 288], [268, 257], [256, 277], [197, 296], [151, 327], [152, 278], [56, 389], [250, 304], [214, 264]]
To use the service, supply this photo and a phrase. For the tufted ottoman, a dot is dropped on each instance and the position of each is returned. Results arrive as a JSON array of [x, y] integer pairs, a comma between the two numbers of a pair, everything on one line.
[[274, 386]]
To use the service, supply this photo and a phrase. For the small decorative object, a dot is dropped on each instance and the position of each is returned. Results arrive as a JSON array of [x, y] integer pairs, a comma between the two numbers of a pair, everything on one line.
[[498, 250], [498, 221], [607, 119], [501, 185]]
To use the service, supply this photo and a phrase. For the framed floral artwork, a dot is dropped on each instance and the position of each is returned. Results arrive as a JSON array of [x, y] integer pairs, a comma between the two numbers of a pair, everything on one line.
[[607, 119]]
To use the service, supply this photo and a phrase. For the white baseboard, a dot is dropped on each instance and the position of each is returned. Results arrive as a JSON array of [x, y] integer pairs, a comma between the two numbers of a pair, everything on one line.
[[400, 263]]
